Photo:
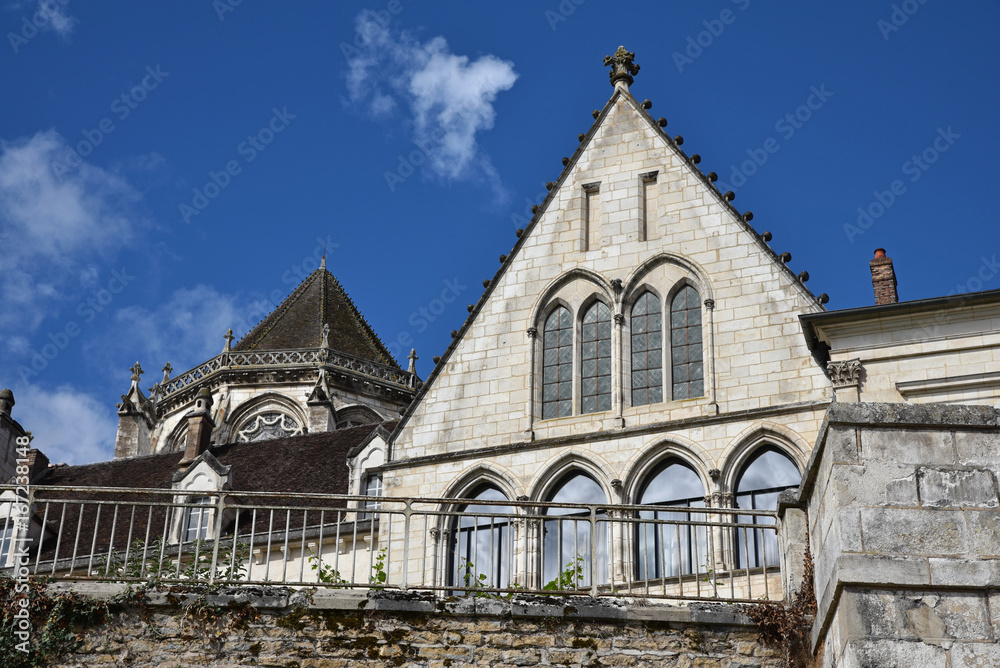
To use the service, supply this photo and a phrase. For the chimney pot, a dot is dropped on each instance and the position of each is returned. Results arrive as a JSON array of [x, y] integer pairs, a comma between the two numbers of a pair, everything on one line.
[[883, 278]]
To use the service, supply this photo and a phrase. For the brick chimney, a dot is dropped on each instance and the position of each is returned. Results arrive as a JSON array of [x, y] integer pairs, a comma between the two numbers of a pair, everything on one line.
[[883, 278], [199, 426]]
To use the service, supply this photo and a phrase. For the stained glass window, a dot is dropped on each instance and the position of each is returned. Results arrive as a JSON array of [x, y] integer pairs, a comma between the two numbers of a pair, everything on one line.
[[557, 365], [686, 366], [647, 350], [596, 359]]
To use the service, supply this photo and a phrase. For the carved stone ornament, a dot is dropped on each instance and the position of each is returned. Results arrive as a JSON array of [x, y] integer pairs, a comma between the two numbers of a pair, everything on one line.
[[622, 66], [136, 372], [845, 374]]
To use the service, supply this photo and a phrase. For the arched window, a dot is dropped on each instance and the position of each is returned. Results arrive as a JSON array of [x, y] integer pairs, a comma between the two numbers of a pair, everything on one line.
[[647, 350], [557, 365], [768, 473], [666, 550], [482, 550], [566, 546], [686, 368], [596, 375]]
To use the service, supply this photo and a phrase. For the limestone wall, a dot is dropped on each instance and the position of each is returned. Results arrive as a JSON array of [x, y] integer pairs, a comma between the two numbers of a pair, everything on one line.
[[904, 528], [341, 630]]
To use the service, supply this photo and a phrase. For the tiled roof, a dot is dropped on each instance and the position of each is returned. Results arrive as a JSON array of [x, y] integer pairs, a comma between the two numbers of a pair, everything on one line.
[[313, 463], [298, 322]]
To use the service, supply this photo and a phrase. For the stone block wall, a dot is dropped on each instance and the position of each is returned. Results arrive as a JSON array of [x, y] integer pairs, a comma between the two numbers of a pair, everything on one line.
[[341, 629], [904, 528]]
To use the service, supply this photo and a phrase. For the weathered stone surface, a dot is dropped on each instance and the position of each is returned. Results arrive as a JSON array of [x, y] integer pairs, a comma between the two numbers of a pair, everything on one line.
[[942, 488], [913, 531], [892, 654], [580, 632], [907, 446], [975, 655]]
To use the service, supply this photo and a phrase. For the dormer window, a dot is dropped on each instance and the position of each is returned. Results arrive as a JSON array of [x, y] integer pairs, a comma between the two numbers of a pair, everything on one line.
[[197, 519]]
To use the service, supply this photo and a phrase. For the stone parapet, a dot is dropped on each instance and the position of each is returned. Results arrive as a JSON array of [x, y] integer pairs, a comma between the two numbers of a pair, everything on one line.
[[904, 529]]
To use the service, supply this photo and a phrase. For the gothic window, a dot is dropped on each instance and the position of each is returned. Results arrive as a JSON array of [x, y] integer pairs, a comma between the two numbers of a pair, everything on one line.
[[557, 365], [596, 358], [566, 546], [482, 549], [268, 425], [686, 368], [668, 550], [647, 350], [196, 519], [766, 475]]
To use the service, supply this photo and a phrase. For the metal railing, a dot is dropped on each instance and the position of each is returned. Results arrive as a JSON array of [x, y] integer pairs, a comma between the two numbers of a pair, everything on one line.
[[237, 360], [453, 547]]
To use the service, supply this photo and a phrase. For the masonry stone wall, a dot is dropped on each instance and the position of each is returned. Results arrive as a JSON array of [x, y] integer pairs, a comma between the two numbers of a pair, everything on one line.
[[904, 529], [345, 631], [482, 395]]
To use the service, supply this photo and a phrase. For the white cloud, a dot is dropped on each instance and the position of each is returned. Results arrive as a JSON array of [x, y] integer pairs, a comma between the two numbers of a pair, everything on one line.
[[184, 330], [68, 425], [53, 13], [450, 98], [52, 228]]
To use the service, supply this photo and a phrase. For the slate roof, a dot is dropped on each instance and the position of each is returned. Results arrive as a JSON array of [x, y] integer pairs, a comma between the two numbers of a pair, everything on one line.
[[312, 463], [298, 323]]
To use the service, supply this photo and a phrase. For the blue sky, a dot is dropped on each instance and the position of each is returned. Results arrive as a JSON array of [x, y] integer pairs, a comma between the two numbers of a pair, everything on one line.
[[170, 170]]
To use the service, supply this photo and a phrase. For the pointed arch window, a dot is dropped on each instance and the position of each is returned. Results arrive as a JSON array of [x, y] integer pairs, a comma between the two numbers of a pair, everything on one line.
[[766, 475], [669, 550], [686, 367], [482, 549], [557, 365], [568, 543], [596, 359], [647, 350]]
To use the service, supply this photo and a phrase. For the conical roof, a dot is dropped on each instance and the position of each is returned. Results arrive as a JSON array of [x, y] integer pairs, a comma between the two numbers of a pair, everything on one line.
[[298, 323]]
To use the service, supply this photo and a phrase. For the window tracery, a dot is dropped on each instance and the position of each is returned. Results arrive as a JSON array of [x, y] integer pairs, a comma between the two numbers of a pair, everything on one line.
[[268, 425]]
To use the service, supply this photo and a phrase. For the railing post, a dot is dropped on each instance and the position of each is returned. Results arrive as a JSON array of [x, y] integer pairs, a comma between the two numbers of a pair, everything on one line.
[[407, 511], [217, 532], [593, 551]]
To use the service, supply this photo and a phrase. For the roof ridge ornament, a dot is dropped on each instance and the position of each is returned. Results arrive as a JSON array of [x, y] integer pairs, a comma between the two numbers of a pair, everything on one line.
[[622, 68]]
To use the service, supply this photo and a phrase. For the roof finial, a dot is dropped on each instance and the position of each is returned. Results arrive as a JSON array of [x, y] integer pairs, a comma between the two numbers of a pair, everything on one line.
[[325, 343], [413, 360], [622, 68], [166, 373], [322, 263], [136, 372], [228, 336]]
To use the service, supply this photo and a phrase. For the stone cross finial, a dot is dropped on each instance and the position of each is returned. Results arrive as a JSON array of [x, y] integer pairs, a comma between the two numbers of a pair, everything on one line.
[[229, 340], [413, 360], [166, 373], [326, 336], [622, 67], [136, 372]]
